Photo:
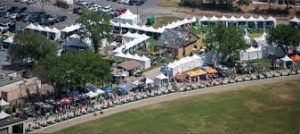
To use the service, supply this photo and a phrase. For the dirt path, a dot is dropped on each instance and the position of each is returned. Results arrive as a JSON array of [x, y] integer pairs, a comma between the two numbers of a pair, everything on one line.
[[164, 98]]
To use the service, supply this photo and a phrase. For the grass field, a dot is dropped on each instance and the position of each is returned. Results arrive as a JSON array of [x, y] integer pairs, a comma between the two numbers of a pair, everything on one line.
[[164, 20], [268, 109]]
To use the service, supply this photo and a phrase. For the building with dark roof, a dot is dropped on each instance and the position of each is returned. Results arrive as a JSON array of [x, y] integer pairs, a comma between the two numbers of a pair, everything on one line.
[[180, 42]]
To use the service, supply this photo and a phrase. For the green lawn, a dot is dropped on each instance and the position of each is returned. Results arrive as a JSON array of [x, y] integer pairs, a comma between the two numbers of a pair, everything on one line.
[[268, 109], [254, 35], [164, 20]]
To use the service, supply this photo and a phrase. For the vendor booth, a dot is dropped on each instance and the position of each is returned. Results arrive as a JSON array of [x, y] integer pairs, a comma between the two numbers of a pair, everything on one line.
[[161, 80]]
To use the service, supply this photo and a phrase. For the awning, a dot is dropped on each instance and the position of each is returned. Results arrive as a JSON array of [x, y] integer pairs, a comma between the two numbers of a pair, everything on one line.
[[3, 103], [196, 72], [295, 58], [286, 58], [3, 115]]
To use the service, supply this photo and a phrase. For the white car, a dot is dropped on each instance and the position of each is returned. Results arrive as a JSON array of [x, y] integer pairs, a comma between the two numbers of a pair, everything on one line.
[[106, 9], [13, 16], [4, 26]]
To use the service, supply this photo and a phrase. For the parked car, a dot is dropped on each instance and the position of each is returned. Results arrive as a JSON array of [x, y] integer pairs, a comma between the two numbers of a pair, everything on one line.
[[12, 9], [6, 25], [29, 2], [107, 9], [77, 10], [2, 6], [140, 2], [62, 18], [20, 16], [82, 2], [13, 16], [2, 13], [26, 17]]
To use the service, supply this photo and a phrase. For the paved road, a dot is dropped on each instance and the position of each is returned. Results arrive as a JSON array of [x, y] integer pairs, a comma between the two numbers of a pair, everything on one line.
[[164, 98]]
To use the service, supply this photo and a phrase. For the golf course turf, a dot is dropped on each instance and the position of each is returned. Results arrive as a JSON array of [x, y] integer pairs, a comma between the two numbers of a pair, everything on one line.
[[266, 109]]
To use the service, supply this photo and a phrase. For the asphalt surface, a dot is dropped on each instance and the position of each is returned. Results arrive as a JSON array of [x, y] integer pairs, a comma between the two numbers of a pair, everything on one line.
[[150, 7]]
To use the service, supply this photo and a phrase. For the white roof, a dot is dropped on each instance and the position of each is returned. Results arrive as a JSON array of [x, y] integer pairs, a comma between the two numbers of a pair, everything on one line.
[[295, 19], [260, 18], [55, 30], [214, 18], [204, 18], [40, 28], [10, 39], [251, 18], [99, 91], [271, 19], [128, 15], [224, 18], [161, 76], [286, 58], [242, 18], [91, 94], [71, 28], [3, 115], [31, 26], [252, 49], [48, 29], [135, 82], [232, 18], [3, 103], [149, 81]]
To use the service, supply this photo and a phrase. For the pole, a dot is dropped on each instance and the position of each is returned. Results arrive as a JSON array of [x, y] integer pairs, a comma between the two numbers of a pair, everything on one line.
[[137, 12]]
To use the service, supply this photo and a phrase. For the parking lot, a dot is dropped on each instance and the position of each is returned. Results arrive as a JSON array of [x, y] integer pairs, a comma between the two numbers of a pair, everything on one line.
[[150, 7]]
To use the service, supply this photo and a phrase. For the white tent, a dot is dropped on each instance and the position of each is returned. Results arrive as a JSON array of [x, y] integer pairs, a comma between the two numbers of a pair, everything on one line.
[[295, 20], [247, 38], [286, 58], [3, 103], [260, 18], [214, 19], [251, 19], [136, 83], [224, 18], [242, 18], [99, 91], [271, 19], [9, 40], [31, 26], [91, 94], [160, 79], [204, 18], [251, 53], [149, 81], [233, 19], [128, 17], [3, 115]]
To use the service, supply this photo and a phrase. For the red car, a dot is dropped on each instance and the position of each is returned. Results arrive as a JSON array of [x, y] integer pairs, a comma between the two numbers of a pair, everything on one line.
[[120, 11]]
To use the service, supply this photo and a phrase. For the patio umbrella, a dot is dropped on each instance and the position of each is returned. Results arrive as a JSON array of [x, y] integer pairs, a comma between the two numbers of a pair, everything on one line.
[[65, 101], [296, 58], [3, 103]]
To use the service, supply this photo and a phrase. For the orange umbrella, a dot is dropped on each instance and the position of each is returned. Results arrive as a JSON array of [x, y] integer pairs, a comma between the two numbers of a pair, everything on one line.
[[211, 71], [296, 58]]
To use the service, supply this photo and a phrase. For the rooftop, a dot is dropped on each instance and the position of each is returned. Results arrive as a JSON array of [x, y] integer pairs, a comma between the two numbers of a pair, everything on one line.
[[172, 38], [129, 65]]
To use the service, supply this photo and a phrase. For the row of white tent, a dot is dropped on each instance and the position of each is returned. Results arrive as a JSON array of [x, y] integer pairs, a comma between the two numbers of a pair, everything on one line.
[[295, 20], [134, 40], [235, 19], [151, 28]]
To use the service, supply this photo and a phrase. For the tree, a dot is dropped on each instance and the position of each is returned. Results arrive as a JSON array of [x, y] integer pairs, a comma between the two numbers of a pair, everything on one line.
[[30, 47], [97, 26], [225, 40], [284, 36], [74, 70]]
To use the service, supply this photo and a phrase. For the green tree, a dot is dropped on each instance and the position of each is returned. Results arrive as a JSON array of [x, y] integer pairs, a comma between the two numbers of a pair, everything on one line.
[[74, 70], [97, 26], [30, 47], [284, 36], [225, 40]]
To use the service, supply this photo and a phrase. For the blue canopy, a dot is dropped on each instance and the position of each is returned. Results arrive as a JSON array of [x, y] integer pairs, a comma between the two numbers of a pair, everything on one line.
[[107, 89], [123, 88], [74, 93], [166, 70]]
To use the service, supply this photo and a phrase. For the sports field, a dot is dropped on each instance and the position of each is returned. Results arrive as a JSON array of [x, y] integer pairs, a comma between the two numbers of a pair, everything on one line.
[[267, 109]]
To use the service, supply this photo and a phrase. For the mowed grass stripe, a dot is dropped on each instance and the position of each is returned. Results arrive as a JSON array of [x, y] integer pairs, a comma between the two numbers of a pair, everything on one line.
[[266, 109]]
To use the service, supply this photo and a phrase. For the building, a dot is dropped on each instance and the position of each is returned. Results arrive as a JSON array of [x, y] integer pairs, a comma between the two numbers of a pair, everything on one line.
[[12, 125], [131, 66], [13, 90], [180, 42]]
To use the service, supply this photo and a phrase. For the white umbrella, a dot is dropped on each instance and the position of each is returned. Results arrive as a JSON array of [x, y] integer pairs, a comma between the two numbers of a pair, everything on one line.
[[136, 82], [149, 81], [3, 115], [3, 103], [99, 91]]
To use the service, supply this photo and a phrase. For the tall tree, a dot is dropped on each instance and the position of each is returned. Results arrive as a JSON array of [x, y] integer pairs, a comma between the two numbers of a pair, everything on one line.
[[284, 36], [30, 47], [74, 70], [225, 40], [97, 26]]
